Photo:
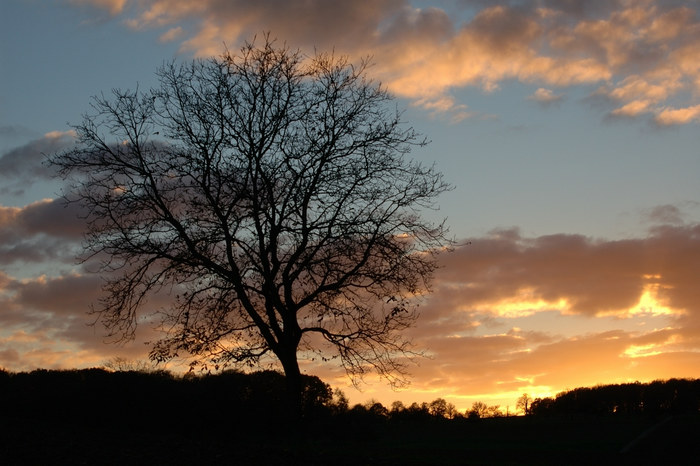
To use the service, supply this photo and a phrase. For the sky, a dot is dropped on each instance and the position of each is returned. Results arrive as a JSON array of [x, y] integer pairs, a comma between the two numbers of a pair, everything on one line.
[[569, 130]]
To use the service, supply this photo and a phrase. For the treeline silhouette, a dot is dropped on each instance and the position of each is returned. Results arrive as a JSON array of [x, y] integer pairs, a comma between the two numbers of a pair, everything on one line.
[[123, 396], [154, 397], [99, 416], [654, 399]]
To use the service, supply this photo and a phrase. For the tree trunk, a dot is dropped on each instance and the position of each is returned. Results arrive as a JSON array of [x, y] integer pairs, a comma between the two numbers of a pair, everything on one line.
[[292, 374]]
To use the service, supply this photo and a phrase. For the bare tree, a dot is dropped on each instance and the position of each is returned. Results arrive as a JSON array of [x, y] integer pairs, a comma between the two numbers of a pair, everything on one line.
[[122, 364], [524, 403], [441, 408], [270, 194], [479, 409]]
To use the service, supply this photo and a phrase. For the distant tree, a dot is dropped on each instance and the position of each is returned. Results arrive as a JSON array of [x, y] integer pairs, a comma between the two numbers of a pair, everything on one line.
[[340, 402], [523, 403], [376, 409], [479, 409], [415, 407], [541, 406], [494, 411], [316, 394], [270, 194], [397, 407], [441, 408], [119, 363], [414, 412], [451, 411]]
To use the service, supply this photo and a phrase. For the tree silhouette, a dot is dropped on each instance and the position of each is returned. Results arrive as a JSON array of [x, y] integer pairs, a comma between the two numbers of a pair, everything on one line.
[[119, 363], [269, 193], [524, 403], [442, 409], [479, 409]]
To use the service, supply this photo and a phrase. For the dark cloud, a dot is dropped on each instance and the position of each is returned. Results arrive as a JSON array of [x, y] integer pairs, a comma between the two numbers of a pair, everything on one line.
[[67, 295], [9, 358], [665, 214], [13, 135], [592, 276], [581, 8], [347, 25], [504, 29], [22, 167], [46, 323], [574, 8], [409, 27], [52, 217], [42, 231], [36, 251]]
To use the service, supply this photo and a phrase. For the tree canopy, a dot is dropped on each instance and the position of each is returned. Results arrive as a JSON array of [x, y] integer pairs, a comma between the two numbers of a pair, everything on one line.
[[270, 194]]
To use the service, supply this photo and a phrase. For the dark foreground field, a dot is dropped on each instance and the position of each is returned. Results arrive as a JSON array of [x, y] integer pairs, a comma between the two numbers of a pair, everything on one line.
[[96, 417], [482, 441]]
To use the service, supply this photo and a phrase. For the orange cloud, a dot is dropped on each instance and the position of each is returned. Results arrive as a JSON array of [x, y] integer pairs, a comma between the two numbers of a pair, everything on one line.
[[680, 116], [644, 54], [113, 6], [545, 96], [171, 34], [632, 109]]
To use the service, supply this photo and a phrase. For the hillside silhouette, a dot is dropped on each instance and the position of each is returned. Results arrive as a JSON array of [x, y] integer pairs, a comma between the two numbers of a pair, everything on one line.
[[95, 416]]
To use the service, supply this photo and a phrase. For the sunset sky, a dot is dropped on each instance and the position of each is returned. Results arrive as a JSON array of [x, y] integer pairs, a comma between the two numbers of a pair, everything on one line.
[[568, 128]]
